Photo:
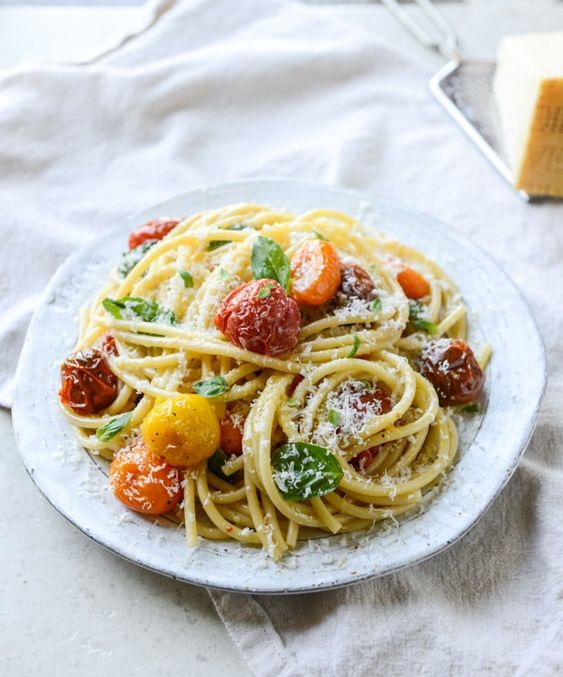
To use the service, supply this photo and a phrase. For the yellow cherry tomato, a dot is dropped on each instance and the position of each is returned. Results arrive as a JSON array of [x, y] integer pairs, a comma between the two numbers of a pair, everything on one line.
[[183, 430]]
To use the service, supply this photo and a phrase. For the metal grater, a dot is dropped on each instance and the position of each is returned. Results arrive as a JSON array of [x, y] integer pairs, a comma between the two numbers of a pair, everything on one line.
[[463, 88]]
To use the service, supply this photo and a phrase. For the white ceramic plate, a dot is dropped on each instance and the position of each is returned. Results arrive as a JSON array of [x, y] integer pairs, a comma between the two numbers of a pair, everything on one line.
[[490, 446]]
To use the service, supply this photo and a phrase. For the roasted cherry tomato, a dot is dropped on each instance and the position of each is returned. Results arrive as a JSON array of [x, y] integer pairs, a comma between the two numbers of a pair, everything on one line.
[[315, 273], [364, 458], [232, 429], [184, 429], [375, 401], [367, 402], [143, 481], [356, 282], [260, 317], [108, 346], [453, 370], [413, 283], [153, 230], [87, 383]]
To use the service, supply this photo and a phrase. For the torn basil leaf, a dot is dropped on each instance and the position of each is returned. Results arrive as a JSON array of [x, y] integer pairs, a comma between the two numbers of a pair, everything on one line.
[[334, 418], [114, 426], [131, 308], [265, 291], [355, 347], [215, 244], [216, 462], [376, 305], [211, 387], [187, 278], [268, 260], [132, 257], [416, 310], [303, 471]]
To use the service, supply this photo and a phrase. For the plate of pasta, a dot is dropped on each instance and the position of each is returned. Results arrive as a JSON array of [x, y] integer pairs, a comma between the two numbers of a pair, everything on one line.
[[271, 386]]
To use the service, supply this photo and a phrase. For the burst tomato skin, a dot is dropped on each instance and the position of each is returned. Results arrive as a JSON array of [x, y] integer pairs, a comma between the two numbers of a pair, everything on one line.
[[153, 230], [87, 383], [451, 367], [356, 282], [267, 325], [108, 346], [143, 481], [315, 273]]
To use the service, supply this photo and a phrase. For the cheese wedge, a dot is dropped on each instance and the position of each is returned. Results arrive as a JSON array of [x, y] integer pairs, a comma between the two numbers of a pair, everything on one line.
[[529, 93]]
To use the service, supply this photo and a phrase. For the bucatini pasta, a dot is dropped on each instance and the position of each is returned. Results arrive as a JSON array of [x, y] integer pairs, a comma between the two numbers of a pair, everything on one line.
[[255, 375]]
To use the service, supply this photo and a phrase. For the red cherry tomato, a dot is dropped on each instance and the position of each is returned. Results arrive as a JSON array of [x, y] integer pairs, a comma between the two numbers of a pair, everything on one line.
[[453, 370], [375, 401], [153, 230], [87, 383], [108, 346], [144, 482], [232, 429], [356, 282], [315, 273], [364, 458], [260, 317], [367, 402]]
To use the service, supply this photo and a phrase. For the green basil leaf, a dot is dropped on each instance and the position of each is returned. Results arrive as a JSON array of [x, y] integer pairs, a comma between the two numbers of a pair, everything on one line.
[[114, 426], [216, 462], [187, 278], [303, 471], [268, 260], [366, 383], [334, 418], [469, 409], [375, 306], [130, 308], [131, 258], [320, 236], [265, 291], [215, 244], [416, 309], [291, 402], [355, 347], [211, 387]]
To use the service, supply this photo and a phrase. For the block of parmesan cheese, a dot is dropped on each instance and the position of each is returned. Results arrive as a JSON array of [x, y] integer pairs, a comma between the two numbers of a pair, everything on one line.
[[529, 92]]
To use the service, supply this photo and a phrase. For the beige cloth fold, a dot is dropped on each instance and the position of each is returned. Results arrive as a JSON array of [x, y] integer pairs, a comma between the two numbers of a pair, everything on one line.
[[218, 90]]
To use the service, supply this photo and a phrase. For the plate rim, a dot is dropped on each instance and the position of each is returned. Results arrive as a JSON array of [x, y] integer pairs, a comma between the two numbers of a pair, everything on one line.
[[18, 415]]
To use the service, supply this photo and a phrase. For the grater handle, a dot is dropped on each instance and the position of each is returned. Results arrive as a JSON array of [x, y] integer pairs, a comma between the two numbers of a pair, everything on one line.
[[446, 42]]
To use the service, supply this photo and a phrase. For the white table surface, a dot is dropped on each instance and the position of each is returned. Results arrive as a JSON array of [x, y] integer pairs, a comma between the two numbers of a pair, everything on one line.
[[68, 607]]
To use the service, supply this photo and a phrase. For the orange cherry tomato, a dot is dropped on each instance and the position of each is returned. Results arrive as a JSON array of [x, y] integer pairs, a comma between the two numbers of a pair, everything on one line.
[[315, 273], [143, 481], [413, 284]]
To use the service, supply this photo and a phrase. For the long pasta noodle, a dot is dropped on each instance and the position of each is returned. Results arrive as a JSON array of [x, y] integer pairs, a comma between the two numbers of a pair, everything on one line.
[[340, 349]]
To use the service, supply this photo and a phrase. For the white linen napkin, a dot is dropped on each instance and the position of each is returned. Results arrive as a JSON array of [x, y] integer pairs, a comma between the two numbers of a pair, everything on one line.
[[219, 90]]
